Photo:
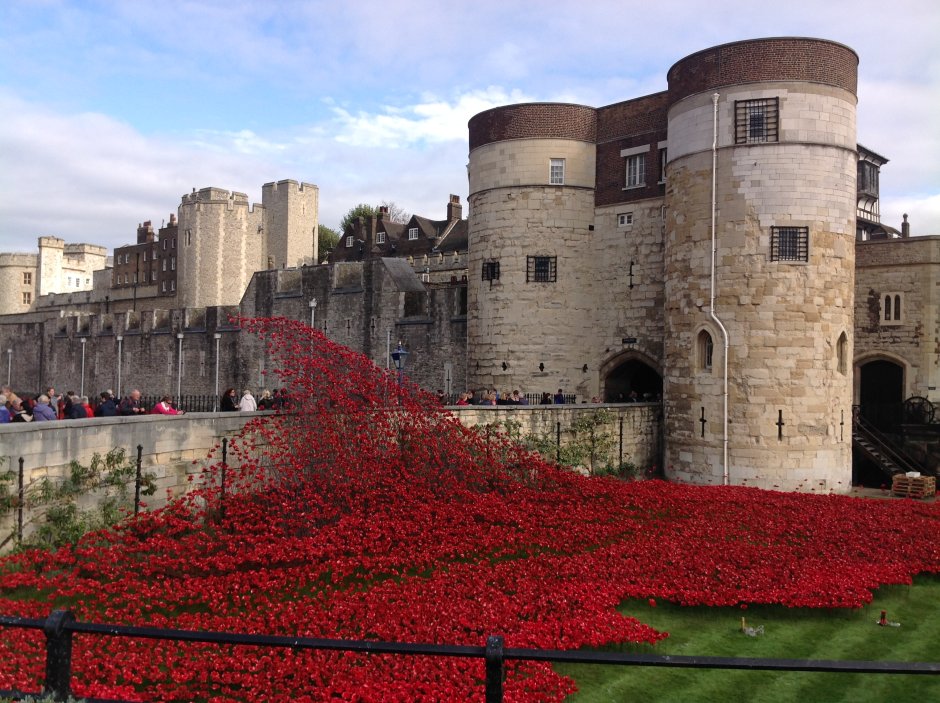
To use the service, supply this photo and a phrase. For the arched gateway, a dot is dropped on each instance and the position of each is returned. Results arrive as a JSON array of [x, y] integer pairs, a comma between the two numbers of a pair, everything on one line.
[[628, 372]]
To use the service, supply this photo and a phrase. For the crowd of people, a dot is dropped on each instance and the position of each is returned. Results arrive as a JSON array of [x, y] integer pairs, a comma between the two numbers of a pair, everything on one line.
[[490, 396], [49, 405]]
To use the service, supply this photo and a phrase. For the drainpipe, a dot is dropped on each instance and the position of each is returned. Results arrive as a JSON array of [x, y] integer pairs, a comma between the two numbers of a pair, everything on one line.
[[711, 303]]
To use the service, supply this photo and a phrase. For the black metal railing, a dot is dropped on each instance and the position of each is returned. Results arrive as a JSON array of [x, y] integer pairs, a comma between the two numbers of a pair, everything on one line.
[[882, 445], [61, 625], [186, 403]]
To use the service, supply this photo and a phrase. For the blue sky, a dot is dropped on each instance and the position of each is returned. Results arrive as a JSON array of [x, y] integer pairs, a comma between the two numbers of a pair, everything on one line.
[[112, 110]]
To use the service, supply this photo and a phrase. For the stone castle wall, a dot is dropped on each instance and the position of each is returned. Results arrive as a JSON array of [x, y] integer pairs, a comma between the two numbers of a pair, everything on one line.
[[909, 269]]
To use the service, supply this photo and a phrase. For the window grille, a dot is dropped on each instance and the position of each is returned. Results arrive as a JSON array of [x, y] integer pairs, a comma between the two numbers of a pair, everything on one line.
[[789, 244], [541, 269], [756, 121], [490, 270]]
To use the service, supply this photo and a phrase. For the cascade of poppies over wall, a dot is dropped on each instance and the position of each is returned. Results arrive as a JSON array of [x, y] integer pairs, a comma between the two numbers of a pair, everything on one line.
[[365, 511]]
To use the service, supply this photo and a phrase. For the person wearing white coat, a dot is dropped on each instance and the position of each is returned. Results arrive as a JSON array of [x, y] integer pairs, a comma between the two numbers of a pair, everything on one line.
[[248, 403]]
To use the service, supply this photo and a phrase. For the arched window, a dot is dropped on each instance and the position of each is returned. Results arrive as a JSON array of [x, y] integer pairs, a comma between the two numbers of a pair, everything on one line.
[[887, 307], [897, 307], [842, 347], [705, 351]]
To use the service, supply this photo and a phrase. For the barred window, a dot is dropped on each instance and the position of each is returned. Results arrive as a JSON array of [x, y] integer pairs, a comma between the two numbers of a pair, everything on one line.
[[541, 269], [756, 121], [789, 243], [490, 270]]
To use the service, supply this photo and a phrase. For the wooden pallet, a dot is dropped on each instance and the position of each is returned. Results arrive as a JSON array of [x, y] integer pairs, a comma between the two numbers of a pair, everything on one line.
[[920, 487]]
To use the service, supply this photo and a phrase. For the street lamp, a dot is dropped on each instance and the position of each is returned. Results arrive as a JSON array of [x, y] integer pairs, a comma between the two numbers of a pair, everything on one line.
[[120, 339], [398, 356], [9, 365], [313, 312], [179, 368], [81, 390], [216, 337]]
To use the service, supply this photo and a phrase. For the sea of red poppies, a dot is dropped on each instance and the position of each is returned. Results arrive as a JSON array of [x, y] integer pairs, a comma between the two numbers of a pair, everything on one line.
[[365, 511]]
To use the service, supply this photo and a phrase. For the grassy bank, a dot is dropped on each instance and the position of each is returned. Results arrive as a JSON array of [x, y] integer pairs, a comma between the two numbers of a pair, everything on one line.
[[788, 633]]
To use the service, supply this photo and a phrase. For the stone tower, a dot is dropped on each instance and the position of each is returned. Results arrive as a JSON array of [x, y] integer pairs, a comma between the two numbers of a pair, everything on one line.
[[221, 243], [291, 215], [532, 170], [784, 176]]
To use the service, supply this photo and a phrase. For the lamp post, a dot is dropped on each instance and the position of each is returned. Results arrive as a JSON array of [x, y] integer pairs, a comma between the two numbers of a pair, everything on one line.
[[398, 356], [313, 312], [179, 368], [9, 365], [216, 337], [81, 388], [120, 341]]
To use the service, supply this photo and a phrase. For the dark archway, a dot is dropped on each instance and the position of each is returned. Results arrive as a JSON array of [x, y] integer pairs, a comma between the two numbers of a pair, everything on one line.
[[633, 375], [881, 393]]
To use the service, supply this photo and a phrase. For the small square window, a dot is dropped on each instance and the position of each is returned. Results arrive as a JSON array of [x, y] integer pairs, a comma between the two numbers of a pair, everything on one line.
[[490, 270], [625, 219], [380, 237], [789, 244], [556, 172], [756, 121], [412, 233], [636, 170], [541, 269]]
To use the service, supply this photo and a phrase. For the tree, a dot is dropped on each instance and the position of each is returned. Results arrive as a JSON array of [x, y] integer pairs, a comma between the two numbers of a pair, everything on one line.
[[395, 213], [327, 239], [360, 210]]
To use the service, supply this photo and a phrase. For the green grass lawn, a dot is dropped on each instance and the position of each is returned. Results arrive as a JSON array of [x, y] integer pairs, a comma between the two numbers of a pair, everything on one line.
[[788, 634]]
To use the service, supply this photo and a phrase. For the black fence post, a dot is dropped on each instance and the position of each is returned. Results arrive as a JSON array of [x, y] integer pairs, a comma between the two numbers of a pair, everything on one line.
[[558, 443], [494, 669], [224, 461], [140, 451], [20, 500], [58, 654]]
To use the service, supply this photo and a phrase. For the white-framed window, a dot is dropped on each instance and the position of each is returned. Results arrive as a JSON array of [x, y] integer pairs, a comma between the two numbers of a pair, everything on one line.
[[625, 219], [349, 242], [556, 172], [412, 233], [892, 308], [380, 237], [27, 298], [636, 171]]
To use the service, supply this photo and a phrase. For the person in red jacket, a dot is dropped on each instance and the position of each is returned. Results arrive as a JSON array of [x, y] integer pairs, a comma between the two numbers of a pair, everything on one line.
[[164, 407]]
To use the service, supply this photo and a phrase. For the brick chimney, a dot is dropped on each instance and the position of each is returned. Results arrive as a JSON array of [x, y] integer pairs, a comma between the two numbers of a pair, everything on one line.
[[454, 208], [382, 213], [905, 228], [145, 232]]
